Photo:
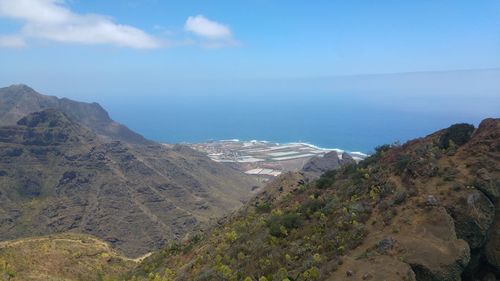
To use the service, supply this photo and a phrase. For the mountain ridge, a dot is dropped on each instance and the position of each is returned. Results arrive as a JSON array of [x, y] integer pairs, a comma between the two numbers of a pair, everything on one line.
[[58, 175], [19, 100]]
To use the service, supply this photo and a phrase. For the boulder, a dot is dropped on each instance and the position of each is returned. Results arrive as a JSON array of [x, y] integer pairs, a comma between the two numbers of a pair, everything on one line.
[[473, 218], [431, 247]]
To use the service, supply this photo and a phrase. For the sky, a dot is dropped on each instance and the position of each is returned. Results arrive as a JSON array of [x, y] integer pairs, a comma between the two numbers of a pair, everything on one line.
[[152, 52], [75, 40]]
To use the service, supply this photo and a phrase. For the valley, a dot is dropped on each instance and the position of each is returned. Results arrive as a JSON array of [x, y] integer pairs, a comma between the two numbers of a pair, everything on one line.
[[146, 140], [81, 203], [59, 173]]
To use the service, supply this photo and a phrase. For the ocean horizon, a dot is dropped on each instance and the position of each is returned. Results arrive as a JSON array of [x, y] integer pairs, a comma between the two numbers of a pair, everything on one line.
[[329, 123]]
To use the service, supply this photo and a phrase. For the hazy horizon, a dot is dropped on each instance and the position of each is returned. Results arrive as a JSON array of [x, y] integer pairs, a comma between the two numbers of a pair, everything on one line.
[[355, 113]]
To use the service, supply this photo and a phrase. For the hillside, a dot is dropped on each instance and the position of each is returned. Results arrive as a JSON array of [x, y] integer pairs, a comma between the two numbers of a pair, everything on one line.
[[17, 101], [426, 210], [57, 175], [61, 257]]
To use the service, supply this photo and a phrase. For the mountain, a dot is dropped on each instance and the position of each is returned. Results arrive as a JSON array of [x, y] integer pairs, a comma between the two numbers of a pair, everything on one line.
[[57, 175], [427, 210], [17, 101]]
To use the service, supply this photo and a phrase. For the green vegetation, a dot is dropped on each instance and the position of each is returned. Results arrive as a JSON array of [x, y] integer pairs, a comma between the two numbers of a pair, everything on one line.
[[396, 208], [305, 231], [61, 257], [457, 134]]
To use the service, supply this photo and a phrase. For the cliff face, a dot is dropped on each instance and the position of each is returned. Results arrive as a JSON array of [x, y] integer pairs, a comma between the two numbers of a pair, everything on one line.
[[19, 100], [426, 210], [57, 175]]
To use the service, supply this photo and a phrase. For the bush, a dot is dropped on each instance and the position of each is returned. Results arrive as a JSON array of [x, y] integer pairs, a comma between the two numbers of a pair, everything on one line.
[[263, 207], [457, 134], [291, 220], [449, 173], [383, 148], [326, 180], [311, 206], [400, 197], [401, 163], [288, 221]]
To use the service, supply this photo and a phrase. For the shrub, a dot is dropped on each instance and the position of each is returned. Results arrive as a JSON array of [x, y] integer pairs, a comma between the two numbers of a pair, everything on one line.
[[311, 274], [401, 163], [288, 221], [326, 180], [457, 134], [263, 207], [291, 220], [400, 197], [449, 173], [311, 206]]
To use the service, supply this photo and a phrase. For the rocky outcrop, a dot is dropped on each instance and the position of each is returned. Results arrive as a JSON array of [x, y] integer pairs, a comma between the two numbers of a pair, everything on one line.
[[328, 162], [492, 247], [320, 164], [473, 217], [432, 234], [347, 158], [451, 230]]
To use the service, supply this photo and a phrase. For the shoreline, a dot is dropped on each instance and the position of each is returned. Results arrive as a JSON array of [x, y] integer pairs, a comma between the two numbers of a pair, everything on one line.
[[338, 150]]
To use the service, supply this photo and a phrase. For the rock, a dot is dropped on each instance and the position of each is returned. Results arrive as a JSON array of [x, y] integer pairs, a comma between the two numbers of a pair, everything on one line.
[[318, 165], [432, 248], [489, 185], [347, 159], [385, 244], [367, 276], [473, 218], [431, 200], [492, 247]]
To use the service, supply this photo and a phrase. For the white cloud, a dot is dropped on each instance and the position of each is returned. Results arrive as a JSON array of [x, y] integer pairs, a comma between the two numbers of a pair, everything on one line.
[[204, 27], [212, 33], [12, 42], [53, 20]]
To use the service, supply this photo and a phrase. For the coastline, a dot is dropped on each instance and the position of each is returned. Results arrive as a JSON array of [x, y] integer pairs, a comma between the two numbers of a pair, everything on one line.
[[308, 144]]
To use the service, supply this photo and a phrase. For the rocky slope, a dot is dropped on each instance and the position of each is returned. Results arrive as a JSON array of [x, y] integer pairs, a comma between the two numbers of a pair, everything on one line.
[[57, 175], [426, 210], [17, 101]]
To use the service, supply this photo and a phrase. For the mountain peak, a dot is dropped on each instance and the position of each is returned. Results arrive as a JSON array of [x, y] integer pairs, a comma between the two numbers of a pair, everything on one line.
[[19, 100], [21, 88]]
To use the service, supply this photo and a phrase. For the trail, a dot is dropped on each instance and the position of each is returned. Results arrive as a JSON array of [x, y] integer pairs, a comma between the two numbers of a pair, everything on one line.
[[80, 240]]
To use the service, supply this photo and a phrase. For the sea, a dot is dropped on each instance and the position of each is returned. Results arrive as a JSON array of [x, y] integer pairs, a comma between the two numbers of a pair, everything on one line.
[[344, 121]]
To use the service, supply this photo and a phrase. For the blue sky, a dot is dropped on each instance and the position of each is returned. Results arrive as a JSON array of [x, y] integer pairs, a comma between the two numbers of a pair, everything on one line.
[[269, 39]]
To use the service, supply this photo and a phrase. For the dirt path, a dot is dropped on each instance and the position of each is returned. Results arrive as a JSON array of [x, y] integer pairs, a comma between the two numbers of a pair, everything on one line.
[[80, 240]]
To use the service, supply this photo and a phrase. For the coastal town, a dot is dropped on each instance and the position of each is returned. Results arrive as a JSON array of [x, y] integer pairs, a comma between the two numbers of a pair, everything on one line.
[[265, 159]]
